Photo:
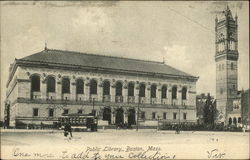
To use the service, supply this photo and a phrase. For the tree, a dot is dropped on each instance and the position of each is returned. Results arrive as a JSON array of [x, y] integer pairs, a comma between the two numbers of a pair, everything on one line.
[[209, 110]]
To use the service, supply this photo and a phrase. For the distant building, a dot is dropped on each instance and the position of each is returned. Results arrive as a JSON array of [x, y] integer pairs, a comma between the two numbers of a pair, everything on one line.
[[200, 104], [245, 107], [43, 86]]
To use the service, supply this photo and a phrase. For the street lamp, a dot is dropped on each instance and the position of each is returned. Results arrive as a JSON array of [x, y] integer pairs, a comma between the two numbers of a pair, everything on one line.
[[93, 110]]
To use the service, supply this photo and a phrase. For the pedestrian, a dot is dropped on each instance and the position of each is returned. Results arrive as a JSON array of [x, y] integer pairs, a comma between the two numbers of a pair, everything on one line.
[[42, 125], [66, 130], [69, 129]]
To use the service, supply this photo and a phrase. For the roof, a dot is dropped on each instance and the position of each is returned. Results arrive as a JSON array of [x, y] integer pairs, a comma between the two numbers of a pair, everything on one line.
[[101, 61]]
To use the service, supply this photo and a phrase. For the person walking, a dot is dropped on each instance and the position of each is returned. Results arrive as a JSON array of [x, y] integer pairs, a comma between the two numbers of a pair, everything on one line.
[[69, 129]]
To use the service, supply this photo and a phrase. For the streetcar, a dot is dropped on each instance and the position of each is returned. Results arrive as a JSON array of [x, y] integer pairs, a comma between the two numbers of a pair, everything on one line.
[[79, 122]]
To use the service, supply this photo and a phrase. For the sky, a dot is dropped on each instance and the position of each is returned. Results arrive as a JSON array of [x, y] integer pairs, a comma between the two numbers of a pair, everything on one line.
[[181, 32]]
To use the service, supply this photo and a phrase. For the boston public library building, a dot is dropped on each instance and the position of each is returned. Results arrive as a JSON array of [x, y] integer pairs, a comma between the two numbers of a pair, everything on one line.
[[118, 91]]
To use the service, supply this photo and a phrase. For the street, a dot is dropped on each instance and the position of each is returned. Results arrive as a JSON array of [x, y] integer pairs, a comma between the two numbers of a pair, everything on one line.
[[197, 144]]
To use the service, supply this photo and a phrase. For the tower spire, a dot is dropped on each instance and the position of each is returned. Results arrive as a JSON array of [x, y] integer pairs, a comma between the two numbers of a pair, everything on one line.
[[45, 47]]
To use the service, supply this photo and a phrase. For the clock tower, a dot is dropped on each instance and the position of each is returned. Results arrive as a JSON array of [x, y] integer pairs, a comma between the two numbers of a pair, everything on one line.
[[226, 58]]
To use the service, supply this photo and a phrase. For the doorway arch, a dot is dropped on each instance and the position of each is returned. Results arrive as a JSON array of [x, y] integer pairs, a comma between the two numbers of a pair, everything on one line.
[[119, 119], [131, 117]]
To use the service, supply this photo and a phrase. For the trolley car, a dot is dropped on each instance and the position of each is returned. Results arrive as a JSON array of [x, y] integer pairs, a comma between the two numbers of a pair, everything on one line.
[[79, 122]]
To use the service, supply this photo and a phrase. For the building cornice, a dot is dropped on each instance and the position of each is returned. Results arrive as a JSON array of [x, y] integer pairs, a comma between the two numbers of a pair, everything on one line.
[[100, 70]]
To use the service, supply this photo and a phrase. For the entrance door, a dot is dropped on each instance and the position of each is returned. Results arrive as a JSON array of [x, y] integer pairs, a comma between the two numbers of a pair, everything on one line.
[[131, 117], [119, 117], [107, 114]]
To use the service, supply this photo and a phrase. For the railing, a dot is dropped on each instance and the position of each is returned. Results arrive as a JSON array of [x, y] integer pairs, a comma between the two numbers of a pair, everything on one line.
[[66, 96], [35, 95], [51, 95], [142, 100], [164, 101], [93, 97], [131, 99], [118, 99], [106, 98], [80, 97], [153, 100]]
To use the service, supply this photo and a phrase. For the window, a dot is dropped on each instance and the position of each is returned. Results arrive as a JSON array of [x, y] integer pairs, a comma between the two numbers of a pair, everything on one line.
[[239, 120], [153, 91], [80, 111], [51, 84], [174, 92], [65, 85], [164, 92], [51, 112], [79, 86], [35, 83], [93, 87], [164, 115], [106, 88], [184, 93], [130, 89], [174, 115], [232, 66], [65, 111], [142, 90], [142, 115], [153, 115], [118, 89], [185, 116], [35, 112]]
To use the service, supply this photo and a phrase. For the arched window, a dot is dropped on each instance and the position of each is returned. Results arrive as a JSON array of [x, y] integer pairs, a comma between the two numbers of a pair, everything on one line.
[[153, 91], [232, 66], [131, 89], [230, 121], [79, 86], [174, 92], [106, 88], [35, 83], [118, 89], [184, 93], [234, 121], [142, 90], [164, 92], [93, 87], [65, 85], [51, 83], [239, 120]]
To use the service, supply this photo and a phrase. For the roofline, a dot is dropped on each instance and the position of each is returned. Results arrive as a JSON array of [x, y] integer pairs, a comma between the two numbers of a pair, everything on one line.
[[99, 55], [46, 64], [12, 72]]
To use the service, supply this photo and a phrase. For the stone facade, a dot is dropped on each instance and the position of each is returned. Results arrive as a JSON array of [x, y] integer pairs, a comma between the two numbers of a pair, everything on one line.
[[31, 100], [226, 58]]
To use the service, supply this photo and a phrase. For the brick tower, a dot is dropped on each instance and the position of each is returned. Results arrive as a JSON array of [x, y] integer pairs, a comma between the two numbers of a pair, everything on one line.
[[226, 57]]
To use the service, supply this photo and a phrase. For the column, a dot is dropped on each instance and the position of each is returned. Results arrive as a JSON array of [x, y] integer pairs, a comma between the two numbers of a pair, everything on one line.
[[43, 89], [73, 90], [179, 99], [58, 87], [147, 93], [158, 94], [113, 112], [43, 86], [125, 114], [125, 92], [86, 90], [100, 91], [136, 92], [112, 91], [169, 94]]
